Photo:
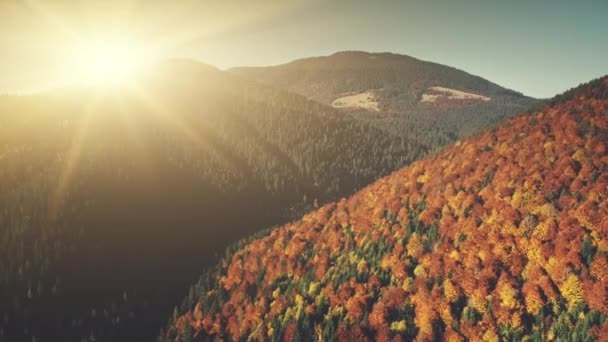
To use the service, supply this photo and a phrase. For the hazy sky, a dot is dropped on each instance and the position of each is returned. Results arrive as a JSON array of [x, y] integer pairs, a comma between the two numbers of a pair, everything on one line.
[[537, 47]]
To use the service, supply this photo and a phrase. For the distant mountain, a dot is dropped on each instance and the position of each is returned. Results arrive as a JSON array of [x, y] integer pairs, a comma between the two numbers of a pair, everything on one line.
[[433, 104], [113, 200], [503, 236]]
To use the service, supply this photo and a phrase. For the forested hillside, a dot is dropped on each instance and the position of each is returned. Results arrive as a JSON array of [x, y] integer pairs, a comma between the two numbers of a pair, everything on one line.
[[112, 201], [503, 236], [404, 90]]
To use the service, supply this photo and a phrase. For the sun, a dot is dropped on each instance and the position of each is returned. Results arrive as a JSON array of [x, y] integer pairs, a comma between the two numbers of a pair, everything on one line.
[[105, 62]]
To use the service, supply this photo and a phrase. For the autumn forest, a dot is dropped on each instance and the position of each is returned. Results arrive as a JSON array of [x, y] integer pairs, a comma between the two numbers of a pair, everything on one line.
[[303, 171], [503, 236]]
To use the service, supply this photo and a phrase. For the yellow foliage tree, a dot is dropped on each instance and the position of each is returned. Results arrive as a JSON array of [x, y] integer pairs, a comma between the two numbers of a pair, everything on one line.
[[572, 291], [507, 296], [398, 326]]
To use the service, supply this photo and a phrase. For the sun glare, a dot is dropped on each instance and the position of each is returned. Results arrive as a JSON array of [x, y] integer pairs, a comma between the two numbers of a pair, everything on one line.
[[105, 62]]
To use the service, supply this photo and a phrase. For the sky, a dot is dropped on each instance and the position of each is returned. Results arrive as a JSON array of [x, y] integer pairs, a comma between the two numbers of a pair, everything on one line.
[[537, 47]]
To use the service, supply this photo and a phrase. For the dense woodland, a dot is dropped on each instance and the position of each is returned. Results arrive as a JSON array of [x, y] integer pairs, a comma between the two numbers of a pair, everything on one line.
[[503, 236], [114, 201]]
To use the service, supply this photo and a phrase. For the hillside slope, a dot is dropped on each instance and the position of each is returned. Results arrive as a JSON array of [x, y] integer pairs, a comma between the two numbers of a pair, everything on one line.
[[431, 103], [105, 191], [504, 235]]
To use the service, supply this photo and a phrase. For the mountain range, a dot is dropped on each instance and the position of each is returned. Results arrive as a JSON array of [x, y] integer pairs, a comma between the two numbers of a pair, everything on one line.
[[115, 200]]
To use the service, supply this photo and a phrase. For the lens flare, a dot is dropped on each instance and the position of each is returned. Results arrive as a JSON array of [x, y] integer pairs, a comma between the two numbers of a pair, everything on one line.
[[105, 62]]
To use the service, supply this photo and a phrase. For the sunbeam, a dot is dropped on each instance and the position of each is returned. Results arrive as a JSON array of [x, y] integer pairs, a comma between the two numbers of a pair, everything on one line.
[[136, 131], [71, 162], [162, 112]]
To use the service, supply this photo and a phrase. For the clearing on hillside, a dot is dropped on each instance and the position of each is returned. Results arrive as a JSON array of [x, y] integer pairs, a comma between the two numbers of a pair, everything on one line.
[[436, 93], [365, 100]]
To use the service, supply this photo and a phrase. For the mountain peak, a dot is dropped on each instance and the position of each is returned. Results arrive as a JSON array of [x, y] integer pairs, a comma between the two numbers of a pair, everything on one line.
[[371, 55], [398, 80], [396, 92]]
